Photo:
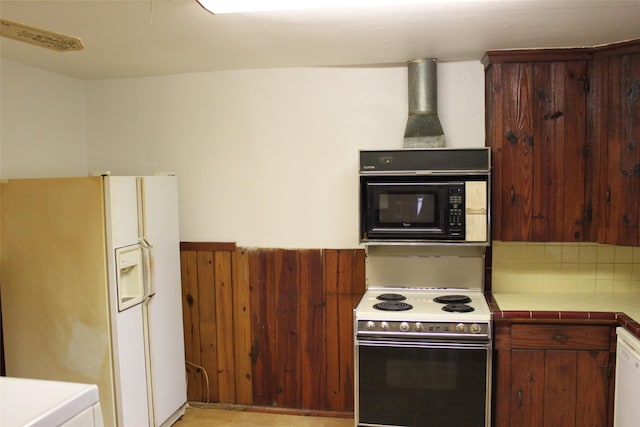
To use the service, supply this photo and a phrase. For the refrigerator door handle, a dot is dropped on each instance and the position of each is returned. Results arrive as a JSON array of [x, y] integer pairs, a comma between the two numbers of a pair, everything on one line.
[[147, 260]]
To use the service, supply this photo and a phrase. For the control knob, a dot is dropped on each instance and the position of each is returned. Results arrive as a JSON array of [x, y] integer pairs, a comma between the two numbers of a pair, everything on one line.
[[384, 326], [404, 327], [371, 325], [460, 327], [419, 327], [475, 328]]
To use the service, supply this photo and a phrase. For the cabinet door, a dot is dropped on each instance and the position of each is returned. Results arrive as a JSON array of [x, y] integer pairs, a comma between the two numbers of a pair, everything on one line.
[[559, 388], [617, 142], [536, 126], [543, 391], [527, 388], [560, 374], [594, 388]]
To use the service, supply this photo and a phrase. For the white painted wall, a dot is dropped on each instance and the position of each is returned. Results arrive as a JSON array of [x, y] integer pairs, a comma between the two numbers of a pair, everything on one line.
[[42, 123], [265, 158]]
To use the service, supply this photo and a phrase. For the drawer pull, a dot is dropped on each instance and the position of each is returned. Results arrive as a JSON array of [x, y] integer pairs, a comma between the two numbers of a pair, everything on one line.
[[519, 398], [561, 338]]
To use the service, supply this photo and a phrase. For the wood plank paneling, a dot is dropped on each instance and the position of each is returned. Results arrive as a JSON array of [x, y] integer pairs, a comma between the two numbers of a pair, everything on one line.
[[548, 163], [560, 381], [598, 129], [313, 345], [527, 388], [191, 322], [342, 270], [208, 337], [262, 338], [224, 327], [593, 369], [274, 327], [574, 223], [494, 129], [336, 383], [242, 327], [517, 145], [287, 356], [623, 120]]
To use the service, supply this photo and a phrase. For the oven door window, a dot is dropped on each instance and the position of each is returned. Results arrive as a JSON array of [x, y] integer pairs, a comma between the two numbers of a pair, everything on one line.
[[434, 387]]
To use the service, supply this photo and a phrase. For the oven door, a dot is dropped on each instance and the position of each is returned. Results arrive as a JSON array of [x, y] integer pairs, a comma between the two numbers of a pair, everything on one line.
[[422, 384]]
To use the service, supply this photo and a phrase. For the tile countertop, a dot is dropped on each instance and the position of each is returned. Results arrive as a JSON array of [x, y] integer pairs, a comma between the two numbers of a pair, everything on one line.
[[625, 307]]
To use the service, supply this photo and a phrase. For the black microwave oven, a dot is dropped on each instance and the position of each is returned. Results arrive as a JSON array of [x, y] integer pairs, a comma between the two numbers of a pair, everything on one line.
[[425, 196]]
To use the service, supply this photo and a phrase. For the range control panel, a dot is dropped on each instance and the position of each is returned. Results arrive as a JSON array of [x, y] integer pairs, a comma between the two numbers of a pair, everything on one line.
[[409, 329]]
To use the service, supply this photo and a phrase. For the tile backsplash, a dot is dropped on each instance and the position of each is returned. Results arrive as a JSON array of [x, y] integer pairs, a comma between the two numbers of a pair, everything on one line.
[[564, 267]]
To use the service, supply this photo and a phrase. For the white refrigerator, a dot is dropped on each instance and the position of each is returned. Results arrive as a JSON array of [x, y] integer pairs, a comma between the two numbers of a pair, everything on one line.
[[90, 290]]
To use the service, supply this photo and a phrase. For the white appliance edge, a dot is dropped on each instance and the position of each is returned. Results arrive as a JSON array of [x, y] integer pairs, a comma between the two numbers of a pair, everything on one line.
[[626, 409]]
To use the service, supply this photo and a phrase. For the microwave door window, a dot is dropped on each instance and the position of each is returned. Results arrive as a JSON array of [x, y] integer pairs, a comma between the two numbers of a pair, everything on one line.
[[401, 209]]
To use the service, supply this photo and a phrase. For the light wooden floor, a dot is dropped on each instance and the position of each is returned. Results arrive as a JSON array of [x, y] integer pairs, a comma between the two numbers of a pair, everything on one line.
[[205, 417]]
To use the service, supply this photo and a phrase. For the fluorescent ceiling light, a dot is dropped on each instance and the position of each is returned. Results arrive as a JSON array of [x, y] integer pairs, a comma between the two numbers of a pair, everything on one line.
[[232, 6]]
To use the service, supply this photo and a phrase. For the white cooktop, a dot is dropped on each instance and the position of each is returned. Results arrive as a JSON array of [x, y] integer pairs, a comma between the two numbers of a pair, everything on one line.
[[424, 307]]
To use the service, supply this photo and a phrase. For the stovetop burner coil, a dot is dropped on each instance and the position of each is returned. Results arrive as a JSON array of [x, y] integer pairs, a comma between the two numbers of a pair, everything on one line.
[[458, 308], [452, 299], [393, 306], [391, 297]]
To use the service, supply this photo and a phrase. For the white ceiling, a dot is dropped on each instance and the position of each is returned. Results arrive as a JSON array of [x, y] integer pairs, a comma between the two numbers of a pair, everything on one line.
[[127, 38]]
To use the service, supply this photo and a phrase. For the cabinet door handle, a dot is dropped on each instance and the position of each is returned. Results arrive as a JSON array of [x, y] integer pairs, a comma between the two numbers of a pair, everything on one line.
[[519, 398], [608, 194], [513, 194], [561, 338]]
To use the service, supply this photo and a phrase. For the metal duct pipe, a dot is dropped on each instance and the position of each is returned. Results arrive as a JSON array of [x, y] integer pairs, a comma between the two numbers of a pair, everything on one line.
[[423, 125]]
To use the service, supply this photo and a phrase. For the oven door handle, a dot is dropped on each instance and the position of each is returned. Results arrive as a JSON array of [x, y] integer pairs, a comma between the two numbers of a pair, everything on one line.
[[429, 344]]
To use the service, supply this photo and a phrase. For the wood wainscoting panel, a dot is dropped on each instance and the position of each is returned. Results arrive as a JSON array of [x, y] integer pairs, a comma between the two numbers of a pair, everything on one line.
[[271, 327], [313, 342], [191, 319], [216, 342], [344, 285], [242, 327]]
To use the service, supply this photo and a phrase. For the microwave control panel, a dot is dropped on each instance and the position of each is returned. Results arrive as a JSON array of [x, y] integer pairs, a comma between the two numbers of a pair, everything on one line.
[[456, 209]]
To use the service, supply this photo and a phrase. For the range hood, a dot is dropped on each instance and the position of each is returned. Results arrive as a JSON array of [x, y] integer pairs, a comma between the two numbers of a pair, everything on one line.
[[423, 125]]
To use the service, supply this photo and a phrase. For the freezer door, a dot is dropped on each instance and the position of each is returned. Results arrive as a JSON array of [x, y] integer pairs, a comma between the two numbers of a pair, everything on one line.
[[122, 211], [133, 398], [128, 296]]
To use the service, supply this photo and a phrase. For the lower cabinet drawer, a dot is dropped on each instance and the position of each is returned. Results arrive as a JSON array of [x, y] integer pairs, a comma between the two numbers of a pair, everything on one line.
[[560, 337]]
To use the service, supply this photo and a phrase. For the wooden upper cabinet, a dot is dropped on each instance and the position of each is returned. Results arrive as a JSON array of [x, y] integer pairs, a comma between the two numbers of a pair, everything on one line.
[[536, 126], [617, 140], [564, 128]]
